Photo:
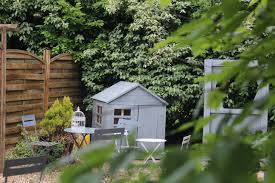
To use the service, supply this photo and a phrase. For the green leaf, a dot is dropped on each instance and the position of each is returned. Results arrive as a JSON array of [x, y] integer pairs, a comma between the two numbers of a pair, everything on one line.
[[165, 3], [215, 98], [185, 126], [230, 8], [122, 161], [200, 123], [92, 157]]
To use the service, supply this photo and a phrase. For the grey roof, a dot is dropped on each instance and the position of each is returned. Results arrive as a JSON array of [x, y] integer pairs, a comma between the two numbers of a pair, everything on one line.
[[117, 90]]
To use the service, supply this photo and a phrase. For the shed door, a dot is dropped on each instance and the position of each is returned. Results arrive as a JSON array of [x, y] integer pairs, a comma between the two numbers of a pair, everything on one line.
[[148, 119]]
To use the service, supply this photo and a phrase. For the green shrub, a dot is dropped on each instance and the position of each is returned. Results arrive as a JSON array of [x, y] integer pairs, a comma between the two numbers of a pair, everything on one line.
[[23, 148], [56, 119], [52, 126], [56, 152]]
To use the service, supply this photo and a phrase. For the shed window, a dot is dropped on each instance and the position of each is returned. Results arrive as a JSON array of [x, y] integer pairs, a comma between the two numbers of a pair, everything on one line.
[[99, 109], [118, 112], [127, 112], [99, 114], [121, 114], [116, 121]]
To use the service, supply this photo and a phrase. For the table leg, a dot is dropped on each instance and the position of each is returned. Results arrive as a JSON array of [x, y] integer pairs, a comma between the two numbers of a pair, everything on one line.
[[156, 148], [83, 139], [117, 147], [144, 147], [127, 142], [79, 145], [75, 140], [151, 154]]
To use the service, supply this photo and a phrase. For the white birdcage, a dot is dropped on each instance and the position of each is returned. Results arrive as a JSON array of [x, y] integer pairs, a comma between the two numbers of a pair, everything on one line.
[[78, 120]]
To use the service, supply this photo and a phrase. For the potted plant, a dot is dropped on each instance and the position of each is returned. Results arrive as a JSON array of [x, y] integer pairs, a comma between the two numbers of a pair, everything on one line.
[[57, 118]]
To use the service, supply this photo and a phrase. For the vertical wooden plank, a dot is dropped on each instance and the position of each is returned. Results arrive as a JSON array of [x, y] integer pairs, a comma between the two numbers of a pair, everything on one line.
[[207, 88], [3, 96], [47, 59]]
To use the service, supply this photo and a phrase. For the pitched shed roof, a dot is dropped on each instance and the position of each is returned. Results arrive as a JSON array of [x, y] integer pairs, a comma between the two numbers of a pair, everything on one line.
[[117, 90]]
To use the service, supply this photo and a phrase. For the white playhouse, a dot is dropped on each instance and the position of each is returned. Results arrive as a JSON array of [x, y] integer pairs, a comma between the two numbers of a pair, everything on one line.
[[132, 101]]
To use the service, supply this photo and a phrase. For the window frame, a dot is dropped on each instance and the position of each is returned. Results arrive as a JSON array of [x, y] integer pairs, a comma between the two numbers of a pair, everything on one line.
[[121, 116], [99, 114]]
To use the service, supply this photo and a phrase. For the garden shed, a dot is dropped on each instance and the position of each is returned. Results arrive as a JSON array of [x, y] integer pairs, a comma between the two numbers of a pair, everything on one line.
[[127, 100]]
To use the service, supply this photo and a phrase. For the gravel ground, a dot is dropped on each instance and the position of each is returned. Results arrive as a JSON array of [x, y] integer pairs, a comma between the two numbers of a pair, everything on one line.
[[53, 176], [33, 178]]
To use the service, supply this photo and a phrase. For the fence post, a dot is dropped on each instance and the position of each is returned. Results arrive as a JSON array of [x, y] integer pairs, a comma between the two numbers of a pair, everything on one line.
[[47, 60], [3, 28], [3, 97]]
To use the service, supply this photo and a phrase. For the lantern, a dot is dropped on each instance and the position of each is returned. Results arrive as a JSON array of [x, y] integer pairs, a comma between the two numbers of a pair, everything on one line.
[[78, 120]]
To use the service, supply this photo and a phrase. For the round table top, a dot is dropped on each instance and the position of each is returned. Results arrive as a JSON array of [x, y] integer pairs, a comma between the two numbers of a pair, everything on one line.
[[84, 130], [150, 140]]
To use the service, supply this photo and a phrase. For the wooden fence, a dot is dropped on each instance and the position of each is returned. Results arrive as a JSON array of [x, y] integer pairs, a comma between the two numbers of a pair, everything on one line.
[[29, 85], [32, 84]]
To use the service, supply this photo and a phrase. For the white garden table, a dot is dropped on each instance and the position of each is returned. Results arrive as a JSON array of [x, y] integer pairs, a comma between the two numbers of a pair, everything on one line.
[[150, 140]]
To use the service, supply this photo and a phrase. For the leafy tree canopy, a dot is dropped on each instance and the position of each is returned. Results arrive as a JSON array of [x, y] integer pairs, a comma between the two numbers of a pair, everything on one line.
[[112, 41], [123, 54]]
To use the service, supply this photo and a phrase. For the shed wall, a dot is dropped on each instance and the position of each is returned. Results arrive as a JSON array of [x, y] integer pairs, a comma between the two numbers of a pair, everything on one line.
[[112, 107], [105, 112], [108, 113], [137, 97]]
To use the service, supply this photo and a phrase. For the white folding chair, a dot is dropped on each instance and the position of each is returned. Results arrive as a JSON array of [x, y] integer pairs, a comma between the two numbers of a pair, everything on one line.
[[185, 142], [130, 127]]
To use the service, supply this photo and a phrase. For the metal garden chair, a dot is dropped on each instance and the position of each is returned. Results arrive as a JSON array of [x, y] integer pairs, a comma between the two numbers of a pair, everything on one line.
[[109, 134], [24, 166], [30, 121], [185, 142], [130, 127]]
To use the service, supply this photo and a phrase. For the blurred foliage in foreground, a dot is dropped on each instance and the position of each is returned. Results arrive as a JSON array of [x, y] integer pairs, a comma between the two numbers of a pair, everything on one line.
[[225, 158], [230, 156]]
